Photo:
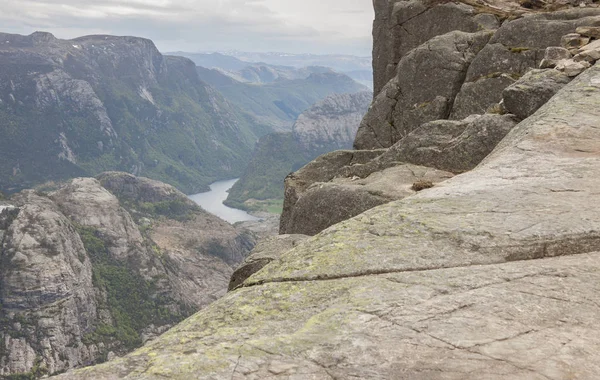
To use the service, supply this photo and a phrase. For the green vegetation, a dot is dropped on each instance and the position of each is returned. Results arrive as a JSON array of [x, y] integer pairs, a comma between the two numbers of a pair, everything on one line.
[[38, 370], [132, 300], [176, 209], [275, 156]]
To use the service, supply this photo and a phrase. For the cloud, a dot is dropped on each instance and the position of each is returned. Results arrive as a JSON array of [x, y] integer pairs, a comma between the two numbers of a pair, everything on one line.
[[318, 26]]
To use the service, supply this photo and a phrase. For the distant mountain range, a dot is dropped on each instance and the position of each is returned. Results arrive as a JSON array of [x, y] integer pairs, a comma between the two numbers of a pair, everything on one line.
[[285, 65], [278, 103]]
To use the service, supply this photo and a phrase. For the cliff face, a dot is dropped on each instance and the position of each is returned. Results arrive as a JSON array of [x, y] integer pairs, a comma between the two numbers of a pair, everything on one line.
[[96, 103], [326, 126], [448, 61], [97, 267], [332, 123], [462, 248]]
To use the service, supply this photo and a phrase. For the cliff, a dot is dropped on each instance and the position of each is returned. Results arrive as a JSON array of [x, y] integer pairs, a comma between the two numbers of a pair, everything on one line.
[[79, 107], [447, 247], [100, 266]]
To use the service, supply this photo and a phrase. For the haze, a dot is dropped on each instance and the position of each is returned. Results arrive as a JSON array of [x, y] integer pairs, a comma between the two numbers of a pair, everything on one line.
[[308, 26]]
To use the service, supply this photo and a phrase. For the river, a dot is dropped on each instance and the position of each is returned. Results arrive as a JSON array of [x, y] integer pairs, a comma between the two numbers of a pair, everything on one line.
[[212, 201]]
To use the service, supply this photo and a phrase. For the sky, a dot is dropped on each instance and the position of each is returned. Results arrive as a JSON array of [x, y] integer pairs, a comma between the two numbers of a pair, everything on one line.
[[293, 26]]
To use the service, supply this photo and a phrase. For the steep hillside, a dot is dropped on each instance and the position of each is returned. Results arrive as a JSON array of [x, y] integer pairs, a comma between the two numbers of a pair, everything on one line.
[[328, 125], [95, 103], [98, 267], [279, 103]]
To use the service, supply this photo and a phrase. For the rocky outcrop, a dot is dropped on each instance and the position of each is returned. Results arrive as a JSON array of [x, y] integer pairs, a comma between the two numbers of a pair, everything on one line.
[[88, 271], [442, 64], [532, 91], [48, 301], [322, 169], [326, 191], [441, 88], [489, 274]]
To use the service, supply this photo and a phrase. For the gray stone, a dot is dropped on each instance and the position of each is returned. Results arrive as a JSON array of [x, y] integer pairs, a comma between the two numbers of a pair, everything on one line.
[[325, 204], [453, 146], [401, 26], [322, 169], [571, 67], [589, 53], [553, 55], [405, 103], [573, 41], [532, 91]]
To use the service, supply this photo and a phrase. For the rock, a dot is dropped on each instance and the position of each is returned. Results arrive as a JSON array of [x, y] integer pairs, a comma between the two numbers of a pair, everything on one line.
[[553, 55], [589, 53], [265, 251], [322, 169], [332, 123], [405, 103], [46, 291], [589, 31], [325, 204], [449, 145], [573, 41], [161, 252], [401, 26], [514, 49], [571, 67], [532, 91]]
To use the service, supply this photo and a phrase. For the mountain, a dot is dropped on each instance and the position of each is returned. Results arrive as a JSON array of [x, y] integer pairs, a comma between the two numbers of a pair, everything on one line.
[[453, 244], [79, 107], [328, 125], [279, 103], [338, 62], [99, 266]]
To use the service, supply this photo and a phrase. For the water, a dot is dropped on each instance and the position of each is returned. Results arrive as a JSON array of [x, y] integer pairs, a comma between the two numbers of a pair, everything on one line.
[[212, 201]]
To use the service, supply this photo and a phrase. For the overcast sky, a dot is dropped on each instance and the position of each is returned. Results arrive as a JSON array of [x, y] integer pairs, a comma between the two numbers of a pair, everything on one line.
[[295, 26]]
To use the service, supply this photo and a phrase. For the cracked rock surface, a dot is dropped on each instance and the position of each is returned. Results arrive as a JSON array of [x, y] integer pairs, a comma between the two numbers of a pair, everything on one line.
[[493, 274]]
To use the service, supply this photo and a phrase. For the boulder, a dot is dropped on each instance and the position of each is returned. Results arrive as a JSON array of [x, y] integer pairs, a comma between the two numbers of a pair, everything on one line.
[[325, 204], [553, 55], [573, 41], [263, 253], [589, 53], [322, 169], [450, 145], [571, 67], [405, 103], [532, 91]]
